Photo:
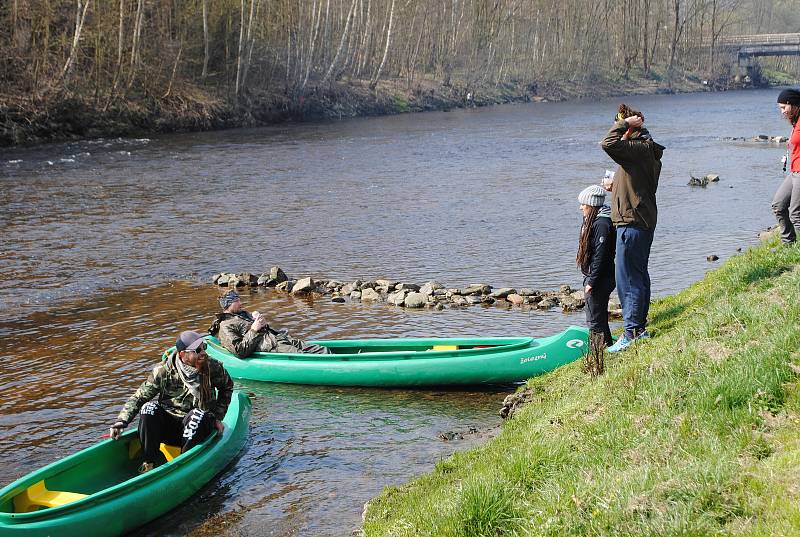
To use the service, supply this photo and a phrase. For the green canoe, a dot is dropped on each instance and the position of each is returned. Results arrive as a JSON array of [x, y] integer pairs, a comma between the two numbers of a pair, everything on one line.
[[97, 491], [412, 362]]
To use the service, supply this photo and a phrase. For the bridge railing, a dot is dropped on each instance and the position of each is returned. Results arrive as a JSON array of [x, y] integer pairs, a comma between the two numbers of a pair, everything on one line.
[[754, 40]]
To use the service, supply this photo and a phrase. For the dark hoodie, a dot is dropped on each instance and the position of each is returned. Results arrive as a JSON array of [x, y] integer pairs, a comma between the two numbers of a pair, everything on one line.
[[633, 197]]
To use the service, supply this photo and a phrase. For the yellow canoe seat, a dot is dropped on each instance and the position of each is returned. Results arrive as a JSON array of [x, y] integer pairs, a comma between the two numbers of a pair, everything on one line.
[[445, 348], [170, 452], [37, 496]]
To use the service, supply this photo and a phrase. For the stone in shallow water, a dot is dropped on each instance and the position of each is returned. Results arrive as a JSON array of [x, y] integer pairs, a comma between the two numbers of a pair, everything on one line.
[[304, 285], [370, 295], [479, 288], [503, 292], [415, 300]]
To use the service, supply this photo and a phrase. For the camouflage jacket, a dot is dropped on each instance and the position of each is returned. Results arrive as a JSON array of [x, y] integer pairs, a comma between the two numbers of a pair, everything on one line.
[[235, 335], [165, 382]]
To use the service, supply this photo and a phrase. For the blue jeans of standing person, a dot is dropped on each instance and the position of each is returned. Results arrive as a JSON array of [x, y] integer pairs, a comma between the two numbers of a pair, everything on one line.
[[633, 279]]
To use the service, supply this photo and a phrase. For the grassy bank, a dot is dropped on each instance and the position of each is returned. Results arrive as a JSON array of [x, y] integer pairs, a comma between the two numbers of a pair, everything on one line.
[[694, 432]]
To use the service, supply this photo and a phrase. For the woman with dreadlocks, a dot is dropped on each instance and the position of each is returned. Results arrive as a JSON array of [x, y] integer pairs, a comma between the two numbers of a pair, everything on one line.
[[595, 259], [786, 203]]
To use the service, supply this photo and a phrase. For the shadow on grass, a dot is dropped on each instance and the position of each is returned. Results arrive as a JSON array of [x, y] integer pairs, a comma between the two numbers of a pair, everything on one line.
[[764, 272], [667, 317]]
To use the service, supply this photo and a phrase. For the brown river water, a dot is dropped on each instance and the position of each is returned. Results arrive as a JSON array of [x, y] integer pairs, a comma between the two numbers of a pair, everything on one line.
[[108, 247]]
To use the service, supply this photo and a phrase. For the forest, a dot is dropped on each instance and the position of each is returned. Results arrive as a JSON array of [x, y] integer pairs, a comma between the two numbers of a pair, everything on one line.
[[87, 67]]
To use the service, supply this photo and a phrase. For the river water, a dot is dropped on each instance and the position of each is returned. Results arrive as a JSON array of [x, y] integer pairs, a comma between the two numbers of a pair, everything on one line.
[[108, 247]]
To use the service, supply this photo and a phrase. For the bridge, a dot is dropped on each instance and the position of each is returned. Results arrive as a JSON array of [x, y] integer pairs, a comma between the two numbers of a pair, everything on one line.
[[750, 46]]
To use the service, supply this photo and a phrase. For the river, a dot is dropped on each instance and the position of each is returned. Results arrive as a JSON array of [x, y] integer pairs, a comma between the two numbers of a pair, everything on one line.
[[108, 248]]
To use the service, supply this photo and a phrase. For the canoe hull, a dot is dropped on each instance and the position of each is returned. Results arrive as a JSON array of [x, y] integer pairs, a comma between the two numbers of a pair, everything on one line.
[[133, 503], [504, 361]]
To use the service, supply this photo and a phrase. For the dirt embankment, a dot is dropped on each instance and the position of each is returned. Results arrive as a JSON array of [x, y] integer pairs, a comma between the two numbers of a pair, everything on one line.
[[65, 116]]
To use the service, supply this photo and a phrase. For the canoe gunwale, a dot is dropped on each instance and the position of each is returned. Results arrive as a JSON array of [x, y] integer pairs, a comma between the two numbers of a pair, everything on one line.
[[379, 356]]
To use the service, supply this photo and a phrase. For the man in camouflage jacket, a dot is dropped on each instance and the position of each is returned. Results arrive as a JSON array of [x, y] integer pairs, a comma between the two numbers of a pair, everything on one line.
[[193, 393], [243, 334]]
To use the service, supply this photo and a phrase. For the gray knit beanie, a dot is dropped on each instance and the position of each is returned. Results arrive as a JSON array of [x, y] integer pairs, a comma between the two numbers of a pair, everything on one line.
[[593, 195]]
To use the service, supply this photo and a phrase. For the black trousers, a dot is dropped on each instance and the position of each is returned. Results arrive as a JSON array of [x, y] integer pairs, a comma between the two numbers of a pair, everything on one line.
[[156, 425], [597, 311]]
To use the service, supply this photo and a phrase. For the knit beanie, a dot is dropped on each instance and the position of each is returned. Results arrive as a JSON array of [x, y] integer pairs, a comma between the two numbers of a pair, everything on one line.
[[593, 195], [789, 96]]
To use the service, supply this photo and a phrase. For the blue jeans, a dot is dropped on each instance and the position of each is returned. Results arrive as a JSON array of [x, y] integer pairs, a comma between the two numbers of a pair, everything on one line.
[[633, 280]]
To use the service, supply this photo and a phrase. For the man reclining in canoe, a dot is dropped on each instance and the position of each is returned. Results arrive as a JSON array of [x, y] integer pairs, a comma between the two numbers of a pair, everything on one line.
[[187, 409], [243, 334]]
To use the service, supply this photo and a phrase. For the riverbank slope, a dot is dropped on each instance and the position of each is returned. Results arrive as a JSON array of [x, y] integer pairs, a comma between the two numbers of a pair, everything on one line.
[[49, 116], [696, 431]]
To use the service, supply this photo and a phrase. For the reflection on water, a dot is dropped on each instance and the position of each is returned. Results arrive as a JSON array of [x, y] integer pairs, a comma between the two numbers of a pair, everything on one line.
[[98, 237]]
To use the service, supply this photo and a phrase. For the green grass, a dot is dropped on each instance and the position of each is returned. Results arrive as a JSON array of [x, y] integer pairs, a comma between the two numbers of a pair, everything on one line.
[[401, 104], [693, 432], [778, 78]]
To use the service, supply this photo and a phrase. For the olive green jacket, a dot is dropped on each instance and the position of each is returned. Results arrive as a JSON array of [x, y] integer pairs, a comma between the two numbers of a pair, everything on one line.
[[633, 196], [173, 395]]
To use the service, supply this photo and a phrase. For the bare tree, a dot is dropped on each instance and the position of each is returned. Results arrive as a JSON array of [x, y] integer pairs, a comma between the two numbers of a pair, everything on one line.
[[375, 77], [80, 19]]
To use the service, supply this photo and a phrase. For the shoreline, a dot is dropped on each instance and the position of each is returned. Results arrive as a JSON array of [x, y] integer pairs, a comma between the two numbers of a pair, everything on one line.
[[25, 121], [701, 419]]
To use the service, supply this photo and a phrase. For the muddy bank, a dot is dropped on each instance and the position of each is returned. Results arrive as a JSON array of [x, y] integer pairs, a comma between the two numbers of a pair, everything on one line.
[[58, 116]]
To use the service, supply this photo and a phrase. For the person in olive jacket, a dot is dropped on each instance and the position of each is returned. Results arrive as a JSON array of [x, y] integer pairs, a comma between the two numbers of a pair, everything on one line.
[[634, 213]]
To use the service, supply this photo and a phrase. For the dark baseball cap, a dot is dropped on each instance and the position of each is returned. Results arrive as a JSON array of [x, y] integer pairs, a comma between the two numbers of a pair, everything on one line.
[[188, 341]]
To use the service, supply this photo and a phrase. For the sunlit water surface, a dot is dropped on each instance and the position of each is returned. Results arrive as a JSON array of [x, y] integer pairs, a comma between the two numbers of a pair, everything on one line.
[[108, 247]]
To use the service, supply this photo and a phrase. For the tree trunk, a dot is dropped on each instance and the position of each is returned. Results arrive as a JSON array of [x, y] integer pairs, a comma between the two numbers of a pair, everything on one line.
[[312, 44], [137, 29], [205, 40], [374, 82], [341, 43], [80, 18], [250, 40], [174, 70]]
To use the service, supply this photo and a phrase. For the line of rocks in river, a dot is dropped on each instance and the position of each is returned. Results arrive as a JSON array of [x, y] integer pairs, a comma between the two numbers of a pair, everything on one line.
[[431, 294], [758, 138]]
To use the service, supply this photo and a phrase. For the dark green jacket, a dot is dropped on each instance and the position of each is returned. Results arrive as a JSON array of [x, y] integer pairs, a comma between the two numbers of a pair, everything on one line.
[[165, 382], [633, 197]]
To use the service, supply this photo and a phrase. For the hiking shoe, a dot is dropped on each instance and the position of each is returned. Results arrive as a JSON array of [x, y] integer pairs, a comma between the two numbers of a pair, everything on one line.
[[622, 343], [146, 467]]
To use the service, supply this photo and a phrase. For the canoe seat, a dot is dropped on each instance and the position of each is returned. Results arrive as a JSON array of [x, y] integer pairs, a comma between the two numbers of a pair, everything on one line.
[[37, 496], [445, 348], [170, 452]]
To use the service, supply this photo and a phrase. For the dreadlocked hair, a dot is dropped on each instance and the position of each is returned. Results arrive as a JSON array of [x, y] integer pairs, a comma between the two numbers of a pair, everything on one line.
[[582, 259], [206, 392]]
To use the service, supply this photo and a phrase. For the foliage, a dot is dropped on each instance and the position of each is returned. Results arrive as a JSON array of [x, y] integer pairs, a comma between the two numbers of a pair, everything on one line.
[[694, 432], [155, 49]]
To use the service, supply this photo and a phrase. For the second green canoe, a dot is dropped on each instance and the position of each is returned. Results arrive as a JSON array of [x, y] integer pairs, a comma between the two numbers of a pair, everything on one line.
[[412, 362]]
